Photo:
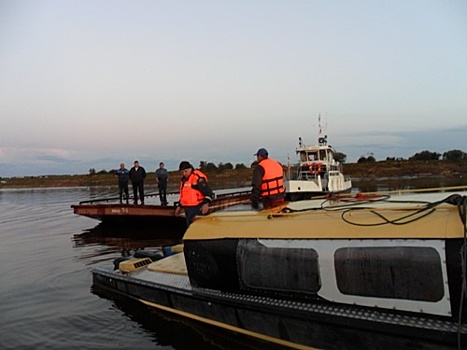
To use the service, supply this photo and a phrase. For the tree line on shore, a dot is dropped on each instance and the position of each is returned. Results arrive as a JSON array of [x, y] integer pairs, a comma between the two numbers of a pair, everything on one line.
[[452, 155], [209, 167]]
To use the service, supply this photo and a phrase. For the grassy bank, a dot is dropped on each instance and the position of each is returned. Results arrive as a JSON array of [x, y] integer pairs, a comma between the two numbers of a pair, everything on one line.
[[242, 177]]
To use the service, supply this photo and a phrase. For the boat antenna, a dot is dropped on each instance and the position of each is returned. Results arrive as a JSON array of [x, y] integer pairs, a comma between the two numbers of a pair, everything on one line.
[[319, 126], [321, 140]]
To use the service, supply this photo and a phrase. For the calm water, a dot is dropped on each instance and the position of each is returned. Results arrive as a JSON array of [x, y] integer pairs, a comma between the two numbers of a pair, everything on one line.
[[46, 257]]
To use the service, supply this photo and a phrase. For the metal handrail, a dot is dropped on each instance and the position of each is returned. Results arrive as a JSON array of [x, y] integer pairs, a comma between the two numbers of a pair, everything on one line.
[[155, 194]]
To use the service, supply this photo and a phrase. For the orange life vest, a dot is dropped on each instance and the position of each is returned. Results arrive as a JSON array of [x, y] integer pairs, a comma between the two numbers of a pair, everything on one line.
[[273, 179], [189, 193]]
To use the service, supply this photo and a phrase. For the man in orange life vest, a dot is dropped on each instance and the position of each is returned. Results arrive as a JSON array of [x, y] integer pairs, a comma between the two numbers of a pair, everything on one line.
[[267, 182], [195, 193]]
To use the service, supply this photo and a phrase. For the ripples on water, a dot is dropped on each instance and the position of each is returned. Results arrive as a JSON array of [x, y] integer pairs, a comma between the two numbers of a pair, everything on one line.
[[46, 257]]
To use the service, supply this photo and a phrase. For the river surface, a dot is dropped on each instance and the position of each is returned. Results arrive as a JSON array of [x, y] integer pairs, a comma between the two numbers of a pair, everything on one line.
[[46, 257]]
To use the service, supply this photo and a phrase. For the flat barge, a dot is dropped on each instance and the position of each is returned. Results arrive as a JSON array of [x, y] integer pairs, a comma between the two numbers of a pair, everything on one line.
[[115, 213]]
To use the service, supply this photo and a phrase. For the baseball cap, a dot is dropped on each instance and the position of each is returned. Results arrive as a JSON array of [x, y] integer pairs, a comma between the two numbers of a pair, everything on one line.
[[262, 152]]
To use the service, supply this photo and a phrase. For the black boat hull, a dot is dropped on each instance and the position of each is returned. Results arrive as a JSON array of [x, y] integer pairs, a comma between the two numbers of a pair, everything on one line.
[[286, 322]]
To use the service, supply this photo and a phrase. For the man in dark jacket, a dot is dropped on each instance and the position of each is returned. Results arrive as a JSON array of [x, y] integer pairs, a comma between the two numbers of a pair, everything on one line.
[[162, 176], [123, 176], [137, 176]]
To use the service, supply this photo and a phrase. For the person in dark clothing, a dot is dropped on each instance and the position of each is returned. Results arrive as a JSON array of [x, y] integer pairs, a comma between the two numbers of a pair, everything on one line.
[[195, 193], [162, 177], [123, 176], [137, 176], [267, 182]]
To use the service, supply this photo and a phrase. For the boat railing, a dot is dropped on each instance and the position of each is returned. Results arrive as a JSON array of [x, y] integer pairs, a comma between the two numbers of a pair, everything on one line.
[[113, 199], [335, 173], [306, 175], [220, 196]]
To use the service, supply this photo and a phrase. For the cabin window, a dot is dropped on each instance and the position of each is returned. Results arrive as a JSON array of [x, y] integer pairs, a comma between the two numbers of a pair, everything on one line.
[[308, 156], [289, 270], [411, 273], [322, 155], [303, 157]]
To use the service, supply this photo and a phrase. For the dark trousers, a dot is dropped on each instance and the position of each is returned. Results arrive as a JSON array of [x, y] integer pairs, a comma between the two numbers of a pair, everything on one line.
[[138, 187], [191, 212], [123, 188], [162, 185]]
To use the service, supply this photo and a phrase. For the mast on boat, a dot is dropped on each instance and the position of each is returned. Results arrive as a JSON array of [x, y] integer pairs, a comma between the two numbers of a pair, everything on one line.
[[322, 140]]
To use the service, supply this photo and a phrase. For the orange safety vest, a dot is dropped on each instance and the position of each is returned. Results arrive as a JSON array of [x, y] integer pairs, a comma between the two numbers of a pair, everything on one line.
[[273, 179], [189, 193]]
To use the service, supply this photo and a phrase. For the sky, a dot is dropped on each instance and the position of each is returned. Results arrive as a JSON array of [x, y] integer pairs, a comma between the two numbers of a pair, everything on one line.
[[92, 83]]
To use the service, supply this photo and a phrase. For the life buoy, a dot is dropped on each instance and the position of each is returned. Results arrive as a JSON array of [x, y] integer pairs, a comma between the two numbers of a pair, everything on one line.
[[315, 168]]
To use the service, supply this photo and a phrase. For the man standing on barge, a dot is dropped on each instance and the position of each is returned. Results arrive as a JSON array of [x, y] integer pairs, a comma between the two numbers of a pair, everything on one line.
[[162, 177], [268, 182], [137, 176], [123, 176], [195, 193]]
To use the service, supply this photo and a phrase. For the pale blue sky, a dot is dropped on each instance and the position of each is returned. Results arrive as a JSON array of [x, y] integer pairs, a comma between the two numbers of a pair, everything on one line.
[[88, 84]]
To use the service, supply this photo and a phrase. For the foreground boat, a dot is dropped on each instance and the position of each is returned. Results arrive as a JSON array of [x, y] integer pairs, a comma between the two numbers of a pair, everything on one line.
[[361, 272], [318, 173]]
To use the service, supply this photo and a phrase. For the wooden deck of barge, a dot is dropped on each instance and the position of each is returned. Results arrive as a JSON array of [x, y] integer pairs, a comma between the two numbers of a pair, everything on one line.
[[102, 209]]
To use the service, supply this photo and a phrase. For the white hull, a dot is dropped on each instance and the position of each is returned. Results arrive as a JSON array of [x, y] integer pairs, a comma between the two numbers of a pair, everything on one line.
[[335, 184], [306, 189]]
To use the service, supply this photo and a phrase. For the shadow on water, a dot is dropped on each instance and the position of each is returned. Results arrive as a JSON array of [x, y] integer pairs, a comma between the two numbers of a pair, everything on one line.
[[180, 332]]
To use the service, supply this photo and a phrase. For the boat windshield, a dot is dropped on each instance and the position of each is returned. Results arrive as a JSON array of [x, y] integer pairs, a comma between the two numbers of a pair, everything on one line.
[[316, 155], [308, 156]]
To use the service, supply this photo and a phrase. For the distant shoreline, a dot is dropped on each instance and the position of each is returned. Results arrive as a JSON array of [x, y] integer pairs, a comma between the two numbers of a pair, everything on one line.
[[242, 177]]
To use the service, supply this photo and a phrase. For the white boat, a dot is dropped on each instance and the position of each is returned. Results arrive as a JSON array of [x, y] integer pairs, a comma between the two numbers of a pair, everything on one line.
[[355, 272], [318, 172]]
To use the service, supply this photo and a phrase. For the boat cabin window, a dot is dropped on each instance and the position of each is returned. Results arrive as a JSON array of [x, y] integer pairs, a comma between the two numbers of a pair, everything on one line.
[[308, 156], [322, 155], [411, 273], [268, 269], [305, 157]]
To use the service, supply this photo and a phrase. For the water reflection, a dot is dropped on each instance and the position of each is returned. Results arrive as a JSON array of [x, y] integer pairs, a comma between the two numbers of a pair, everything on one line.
[[105, 241], [370, 185]]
